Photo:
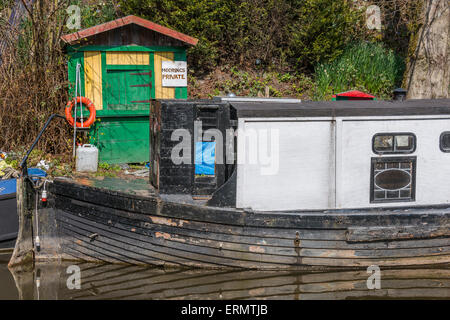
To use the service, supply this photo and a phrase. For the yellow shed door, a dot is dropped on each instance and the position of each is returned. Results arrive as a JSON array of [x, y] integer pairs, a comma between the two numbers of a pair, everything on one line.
[[160, 91]]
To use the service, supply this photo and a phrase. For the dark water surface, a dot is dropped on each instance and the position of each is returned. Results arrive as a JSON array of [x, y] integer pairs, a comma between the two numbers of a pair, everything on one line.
[[50, 281]]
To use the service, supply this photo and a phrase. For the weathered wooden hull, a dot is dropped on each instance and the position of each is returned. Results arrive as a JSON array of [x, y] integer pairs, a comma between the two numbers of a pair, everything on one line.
[[95, 224]]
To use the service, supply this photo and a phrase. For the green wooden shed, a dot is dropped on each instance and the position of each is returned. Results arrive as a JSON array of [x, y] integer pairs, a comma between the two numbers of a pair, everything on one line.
[[125, 64]]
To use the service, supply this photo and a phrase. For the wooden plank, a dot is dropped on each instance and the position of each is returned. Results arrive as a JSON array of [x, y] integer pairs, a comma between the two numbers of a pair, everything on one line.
[[127, 58], [133, 242], [414, 261], [160, 91], [364, 234], [93, 78], [144, 234], [310, 238], [124, 249], [24, 250]]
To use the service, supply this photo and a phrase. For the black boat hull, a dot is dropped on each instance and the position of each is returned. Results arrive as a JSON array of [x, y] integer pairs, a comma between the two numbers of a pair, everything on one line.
[[87, 223], [9, 221]]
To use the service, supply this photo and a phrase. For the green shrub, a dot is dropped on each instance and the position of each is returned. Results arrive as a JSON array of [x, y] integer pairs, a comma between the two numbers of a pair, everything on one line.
[[203, 19], [235, 32], [364, 66], [321, 29]]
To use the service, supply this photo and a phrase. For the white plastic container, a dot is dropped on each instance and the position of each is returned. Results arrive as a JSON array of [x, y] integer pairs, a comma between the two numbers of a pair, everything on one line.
[[87, 158]]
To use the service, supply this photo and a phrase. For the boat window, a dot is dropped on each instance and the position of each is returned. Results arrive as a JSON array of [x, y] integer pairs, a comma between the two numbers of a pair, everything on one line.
[[445, 141], [393, 179], [389, 143]]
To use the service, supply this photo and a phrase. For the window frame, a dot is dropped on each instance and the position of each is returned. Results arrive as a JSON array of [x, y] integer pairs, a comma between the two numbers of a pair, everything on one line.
[[393, 135], [440, 141], [375, 160]]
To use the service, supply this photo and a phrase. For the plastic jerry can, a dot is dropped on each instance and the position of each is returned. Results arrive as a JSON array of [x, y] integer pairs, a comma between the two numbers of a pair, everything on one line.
[[87, 158]]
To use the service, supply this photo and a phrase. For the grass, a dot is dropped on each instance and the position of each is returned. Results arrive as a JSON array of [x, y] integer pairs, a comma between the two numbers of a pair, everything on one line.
[[368, 67]]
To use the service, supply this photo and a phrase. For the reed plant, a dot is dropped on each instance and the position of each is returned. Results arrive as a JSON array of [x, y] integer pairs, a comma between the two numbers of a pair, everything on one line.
[[364, 66]]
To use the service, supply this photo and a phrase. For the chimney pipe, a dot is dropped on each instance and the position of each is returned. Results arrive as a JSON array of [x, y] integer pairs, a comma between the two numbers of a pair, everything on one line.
[[400, 94]]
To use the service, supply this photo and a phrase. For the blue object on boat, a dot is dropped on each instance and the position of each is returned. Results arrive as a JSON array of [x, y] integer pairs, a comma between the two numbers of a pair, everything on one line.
[[205, 158], [35, 172], [9, 186]]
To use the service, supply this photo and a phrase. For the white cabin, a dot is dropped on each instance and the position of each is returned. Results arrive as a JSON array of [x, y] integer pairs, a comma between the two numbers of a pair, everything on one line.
[[342, 155]]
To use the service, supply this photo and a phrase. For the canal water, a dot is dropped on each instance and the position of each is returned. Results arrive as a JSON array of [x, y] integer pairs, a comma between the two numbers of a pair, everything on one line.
[[92, 281]]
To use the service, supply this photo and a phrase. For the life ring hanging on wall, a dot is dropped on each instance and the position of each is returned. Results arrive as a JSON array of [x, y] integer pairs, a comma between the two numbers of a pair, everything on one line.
[[90, 107]]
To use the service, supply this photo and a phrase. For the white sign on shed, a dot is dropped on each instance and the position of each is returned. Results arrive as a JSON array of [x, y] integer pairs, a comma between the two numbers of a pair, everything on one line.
[[174, 73]]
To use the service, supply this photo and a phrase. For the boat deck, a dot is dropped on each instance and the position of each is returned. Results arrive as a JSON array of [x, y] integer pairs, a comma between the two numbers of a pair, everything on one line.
[[129, 185]]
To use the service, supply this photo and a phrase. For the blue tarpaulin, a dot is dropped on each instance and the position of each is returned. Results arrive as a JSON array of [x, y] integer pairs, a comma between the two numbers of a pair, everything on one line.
[[9, 186], [205, 158]]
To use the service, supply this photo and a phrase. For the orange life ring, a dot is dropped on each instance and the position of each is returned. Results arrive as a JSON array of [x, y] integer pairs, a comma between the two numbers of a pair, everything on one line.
[[90, 107]]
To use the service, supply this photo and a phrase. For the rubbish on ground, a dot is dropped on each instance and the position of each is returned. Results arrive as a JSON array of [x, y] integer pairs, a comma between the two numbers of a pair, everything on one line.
[[43, 164], [139, 173], [6, 171]]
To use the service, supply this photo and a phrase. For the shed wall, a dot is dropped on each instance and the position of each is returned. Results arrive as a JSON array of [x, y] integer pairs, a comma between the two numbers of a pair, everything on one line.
[[121, 81]]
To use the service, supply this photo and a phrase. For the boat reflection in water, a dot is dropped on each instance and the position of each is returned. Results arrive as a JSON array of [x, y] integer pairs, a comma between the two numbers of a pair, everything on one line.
[[133, 282]]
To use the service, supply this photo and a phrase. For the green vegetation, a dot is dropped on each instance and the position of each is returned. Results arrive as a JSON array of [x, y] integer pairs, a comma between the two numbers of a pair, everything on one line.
[[305, 48], [280, 33], [364, 66], [321, 29], [282, 48]]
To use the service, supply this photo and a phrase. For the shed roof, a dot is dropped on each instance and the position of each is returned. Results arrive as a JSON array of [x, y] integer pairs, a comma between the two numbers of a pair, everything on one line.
[[76, 36]]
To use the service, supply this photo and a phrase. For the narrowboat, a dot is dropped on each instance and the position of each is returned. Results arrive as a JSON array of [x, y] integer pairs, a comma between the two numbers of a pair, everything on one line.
[[293, 185]]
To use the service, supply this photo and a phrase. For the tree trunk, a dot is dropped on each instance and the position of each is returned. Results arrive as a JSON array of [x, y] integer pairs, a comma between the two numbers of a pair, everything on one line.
[[428, 72]]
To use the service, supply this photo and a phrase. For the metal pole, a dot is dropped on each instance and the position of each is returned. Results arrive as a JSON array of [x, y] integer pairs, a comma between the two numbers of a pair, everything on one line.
[[77, 76], [23, 163]]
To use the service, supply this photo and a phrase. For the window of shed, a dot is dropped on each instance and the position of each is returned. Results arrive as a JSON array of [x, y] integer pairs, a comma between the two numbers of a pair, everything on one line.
[[445, 141], [389, 143]]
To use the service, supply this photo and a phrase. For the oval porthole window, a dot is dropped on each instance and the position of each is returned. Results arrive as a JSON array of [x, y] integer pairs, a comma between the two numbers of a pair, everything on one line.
[[391, 143], [392, 179]]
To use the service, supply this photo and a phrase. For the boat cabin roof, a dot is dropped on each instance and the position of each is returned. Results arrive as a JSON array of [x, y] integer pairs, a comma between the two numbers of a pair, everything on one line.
[[341, 108]]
